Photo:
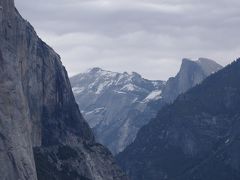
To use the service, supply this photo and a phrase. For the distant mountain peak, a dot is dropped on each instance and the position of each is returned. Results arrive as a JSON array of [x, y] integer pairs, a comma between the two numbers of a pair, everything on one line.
[[191, 73], [207, 65], [111, 103], [94, 70], [201, 60], [98, 69], [186, 60], [135, 74], [98, 72]]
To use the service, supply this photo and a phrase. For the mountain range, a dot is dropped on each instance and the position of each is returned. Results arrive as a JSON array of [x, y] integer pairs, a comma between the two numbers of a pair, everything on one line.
[[110, 101], [117, 105], [185, 128], [195, 138]]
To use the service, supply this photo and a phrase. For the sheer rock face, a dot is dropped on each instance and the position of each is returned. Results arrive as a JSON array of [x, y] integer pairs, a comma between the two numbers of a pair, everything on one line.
[[38, 111], [191, 73], [195, 138]]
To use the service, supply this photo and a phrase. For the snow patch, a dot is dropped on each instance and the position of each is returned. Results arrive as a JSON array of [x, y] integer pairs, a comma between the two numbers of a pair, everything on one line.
[[78, 90], [100, 88], [155, 95], [155, 83], [129, 87], [135, 100], [227, 141], [119, 92], [97, 110]]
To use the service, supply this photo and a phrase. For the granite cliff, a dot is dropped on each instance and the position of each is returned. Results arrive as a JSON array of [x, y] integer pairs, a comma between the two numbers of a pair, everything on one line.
[[42, 132]]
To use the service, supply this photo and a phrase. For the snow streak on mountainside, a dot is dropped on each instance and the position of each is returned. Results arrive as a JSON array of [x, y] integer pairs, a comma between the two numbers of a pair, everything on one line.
[[117, 105]]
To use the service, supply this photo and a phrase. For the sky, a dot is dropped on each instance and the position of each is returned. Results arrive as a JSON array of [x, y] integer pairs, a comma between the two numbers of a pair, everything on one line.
[[146, 36]]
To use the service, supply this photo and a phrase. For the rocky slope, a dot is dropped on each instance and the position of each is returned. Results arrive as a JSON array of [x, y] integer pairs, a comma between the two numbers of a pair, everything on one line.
[[42, 133], [117, 105], [111, 101], [195, 138]]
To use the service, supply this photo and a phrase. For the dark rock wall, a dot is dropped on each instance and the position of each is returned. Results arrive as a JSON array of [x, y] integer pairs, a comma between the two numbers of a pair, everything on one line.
[[38, 110]]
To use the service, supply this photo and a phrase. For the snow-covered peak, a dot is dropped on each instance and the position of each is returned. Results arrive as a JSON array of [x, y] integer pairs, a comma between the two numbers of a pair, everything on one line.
[[134, 74], [98, 81], [100, 72], [94, 70], [111, 103]]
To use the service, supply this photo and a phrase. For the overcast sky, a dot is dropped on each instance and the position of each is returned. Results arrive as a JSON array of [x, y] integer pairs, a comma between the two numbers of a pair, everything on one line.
[[147, 36]]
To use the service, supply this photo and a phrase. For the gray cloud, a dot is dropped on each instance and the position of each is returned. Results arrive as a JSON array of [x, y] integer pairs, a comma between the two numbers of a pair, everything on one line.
[[147, 36]]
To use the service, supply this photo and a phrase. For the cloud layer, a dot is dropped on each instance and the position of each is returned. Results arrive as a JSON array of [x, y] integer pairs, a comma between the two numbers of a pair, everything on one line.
[[147, 36]]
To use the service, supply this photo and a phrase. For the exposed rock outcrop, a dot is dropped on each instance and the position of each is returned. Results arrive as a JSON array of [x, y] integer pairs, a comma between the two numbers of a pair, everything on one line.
[[42, 133], [191, 73]]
